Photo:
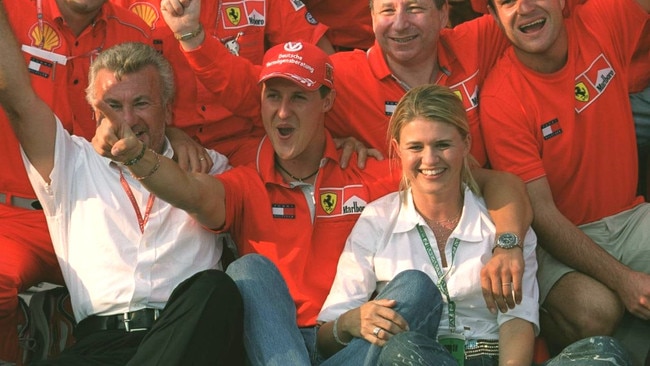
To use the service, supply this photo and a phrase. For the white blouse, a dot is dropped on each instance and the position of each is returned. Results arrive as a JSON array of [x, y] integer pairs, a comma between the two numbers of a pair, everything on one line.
[[385, 241]]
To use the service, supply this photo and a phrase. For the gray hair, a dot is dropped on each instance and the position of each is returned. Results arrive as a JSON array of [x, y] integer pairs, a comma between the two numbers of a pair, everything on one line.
[[127, 58]]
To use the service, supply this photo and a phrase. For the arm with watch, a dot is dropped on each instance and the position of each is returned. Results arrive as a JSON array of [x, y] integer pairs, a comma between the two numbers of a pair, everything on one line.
[[509, 206]]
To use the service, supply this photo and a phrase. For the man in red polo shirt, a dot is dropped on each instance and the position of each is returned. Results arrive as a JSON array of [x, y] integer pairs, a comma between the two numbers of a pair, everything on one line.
[[247, 28]]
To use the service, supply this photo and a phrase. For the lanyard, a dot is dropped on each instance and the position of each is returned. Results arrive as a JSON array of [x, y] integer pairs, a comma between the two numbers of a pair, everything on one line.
[[142, 221], [442, 284]]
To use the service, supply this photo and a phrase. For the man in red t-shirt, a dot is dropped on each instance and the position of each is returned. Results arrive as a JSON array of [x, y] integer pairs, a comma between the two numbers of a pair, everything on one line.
[[550, 111], [58, 40]]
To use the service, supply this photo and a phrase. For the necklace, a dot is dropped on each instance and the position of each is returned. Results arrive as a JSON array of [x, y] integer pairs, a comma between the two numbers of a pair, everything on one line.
[[277, 163], [443, 228]]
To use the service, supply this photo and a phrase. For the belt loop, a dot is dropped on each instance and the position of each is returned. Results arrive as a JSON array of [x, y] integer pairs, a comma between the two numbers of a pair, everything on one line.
[[126, 320]]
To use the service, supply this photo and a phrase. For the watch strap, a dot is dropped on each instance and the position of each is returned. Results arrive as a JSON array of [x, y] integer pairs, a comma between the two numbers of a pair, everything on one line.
[[190, 35]]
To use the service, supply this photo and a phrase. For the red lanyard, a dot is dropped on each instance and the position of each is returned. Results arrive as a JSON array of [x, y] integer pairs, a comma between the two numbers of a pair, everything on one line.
[[142, 221]]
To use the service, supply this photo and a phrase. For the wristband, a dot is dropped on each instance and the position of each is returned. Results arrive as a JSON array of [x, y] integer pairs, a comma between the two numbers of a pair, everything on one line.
[[153, 170], [137, 158]]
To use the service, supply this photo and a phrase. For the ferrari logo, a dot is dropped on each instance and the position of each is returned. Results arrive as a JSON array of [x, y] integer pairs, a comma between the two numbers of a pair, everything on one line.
[[234, 14], [328, 201], [581, 92]]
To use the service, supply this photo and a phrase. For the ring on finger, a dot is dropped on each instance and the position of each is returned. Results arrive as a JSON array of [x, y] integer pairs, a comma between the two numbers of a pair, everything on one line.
[[507, 284], [201, 158], [376, 331]]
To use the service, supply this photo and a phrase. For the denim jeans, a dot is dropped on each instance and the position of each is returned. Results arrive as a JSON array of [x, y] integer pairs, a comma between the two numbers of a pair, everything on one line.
[[271, 334], [592, 351], [420, 303]]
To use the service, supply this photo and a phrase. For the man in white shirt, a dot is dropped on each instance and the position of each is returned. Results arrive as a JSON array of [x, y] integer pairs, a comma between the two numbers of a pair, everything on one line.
[[139, 271]]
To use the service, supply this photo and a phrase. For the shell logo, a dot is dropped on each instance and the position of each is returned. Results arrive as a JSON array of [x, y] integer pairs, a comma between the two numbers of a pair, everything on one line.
[[147, 13], [47, 37]]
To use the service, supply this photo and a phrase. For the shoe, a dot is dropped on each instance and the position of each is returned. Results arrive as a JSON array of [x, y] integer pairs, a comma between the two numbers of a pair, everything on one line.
[[52, 321], [25, 336]]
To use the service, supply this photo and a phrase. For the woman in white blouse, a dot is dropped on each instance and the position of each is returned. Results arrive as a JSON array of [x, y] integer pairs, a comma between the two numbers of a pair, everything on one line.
[[418, 254], [437, 224]]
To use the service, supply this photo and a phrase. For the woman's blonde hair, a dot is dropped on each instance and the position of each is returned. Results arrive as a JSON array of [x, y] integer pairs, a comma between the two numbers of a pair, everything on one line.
[[433, 103]]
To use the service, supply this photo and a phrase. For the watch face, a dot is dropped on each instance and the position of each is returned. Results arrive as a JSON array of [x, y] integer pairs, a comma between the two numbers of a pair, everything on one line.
[[507, 240]]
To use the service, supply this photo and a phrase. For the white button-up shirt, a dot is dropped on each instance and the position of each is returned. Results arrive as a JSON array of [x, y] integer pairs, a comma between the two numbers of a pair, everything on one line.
[[385, 241], [109, 266]]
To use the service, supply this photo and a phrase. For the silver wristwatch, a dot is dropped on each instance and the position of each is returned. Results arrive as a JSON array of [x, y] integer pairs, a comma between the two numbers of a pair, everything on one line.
[[507, 241]]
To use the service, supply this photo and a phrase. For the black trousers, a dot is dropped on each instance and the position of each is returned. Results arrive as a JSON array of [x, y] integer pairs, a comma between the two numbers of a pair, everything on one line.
[[202, 324]]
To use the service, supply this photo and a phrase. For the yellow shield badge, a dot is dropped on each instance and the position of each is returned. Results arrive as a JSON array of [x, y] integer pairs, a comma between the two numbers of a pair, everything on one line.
[[328, 201], [234, 14], [581, 92], [46, 37]]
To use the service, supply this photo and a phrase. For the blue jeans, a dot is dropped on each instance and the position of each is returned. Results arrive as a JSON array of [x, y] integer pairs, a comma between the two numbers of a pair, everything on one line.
[[592, 351], [420, 303], [271, 334]]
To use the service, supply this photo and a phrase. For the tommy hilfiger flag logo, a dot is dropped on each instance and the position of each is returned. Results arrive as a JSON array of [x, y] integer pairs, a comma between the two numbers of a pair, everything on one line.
[[40, 67], [42, 62], [551, 128], [283, 210], [389, 107]]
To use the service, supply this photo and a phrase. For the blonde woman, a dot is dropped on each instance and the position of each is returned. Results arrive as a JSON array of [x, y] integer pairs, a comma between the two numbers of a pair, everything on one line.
[[436, 224]]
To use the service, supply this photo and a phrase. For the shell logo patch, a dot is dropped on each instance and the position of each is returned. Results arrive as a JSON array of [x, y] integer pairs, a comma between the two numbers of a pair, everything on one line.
[[48, 37], [328, 201], [147, 13]]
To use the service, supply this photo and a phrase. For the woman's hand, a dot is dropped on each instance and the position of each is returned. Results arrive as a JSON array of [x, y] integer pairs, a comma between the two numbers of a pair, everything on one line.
[[374, 321]]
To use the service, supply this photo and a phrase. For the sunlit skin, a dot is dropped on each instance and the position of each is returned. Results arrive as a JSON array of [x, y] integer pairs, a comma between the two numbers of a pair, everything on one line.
[[138, 99], [536, 30], [294, 122], [408, 30], [432, 155]]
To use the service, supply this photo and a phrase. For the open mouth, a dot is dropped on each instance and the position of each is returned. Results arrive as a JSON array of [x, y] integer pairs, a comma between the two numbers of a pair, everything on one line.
[[532, 27], [285, 131]]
